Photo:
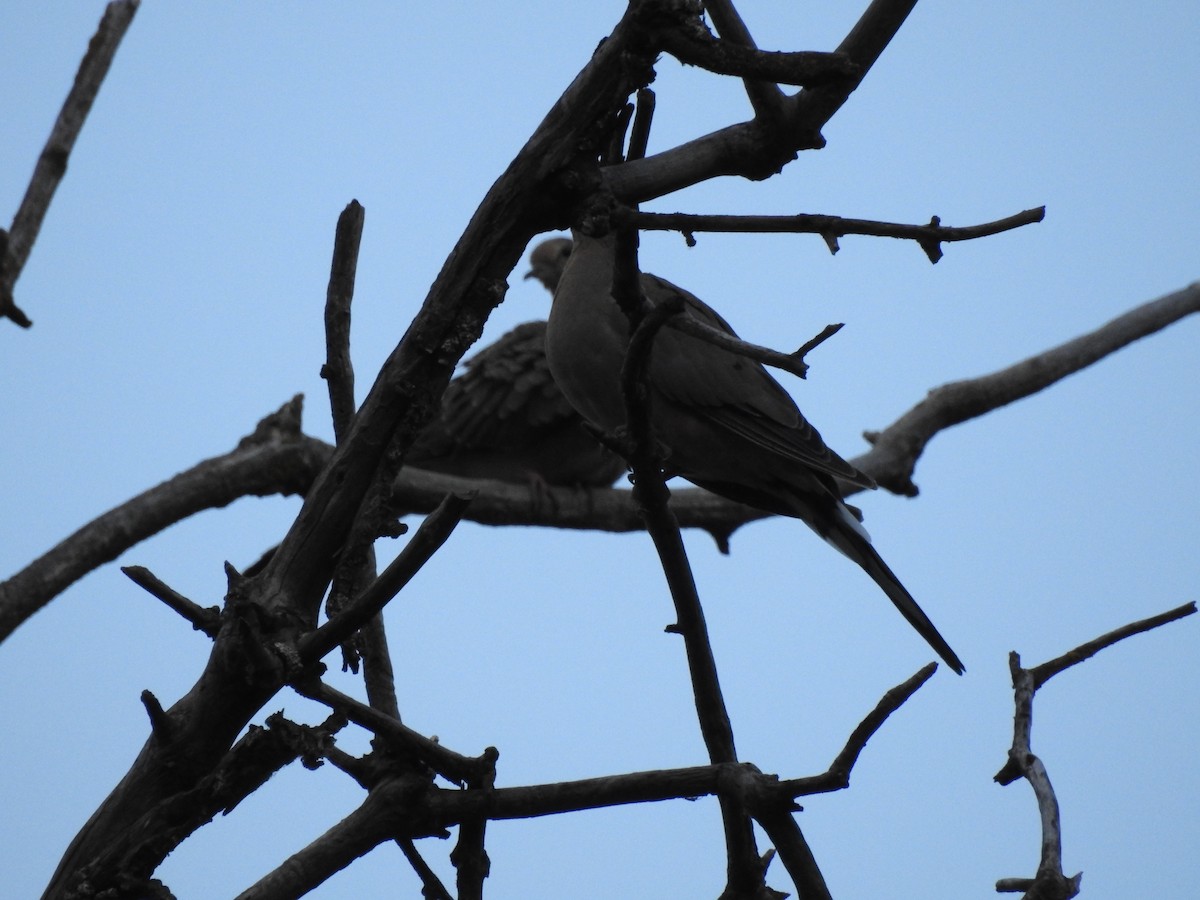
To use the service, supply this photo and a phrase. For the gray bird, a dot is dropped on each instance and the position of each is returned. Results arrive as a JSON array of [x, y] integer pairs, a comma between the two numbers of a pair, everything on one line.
[[548, 260], [505, 418], [725, 423]]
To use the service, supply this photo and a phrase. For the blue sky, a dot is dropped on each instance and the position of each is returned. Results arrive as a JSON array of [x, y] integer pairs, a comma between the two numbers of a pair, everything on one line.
[[177, 288]]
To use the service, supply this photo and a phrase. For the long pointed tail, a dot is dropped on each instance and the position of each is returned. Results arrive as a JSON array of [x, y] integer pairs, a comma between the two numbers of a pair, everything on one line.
[[853, 542]]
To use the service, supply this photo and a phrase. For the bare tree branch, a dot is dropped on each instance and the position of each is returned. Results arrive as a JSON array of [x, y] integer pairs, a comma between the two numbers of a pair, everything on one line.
[[433, 532], [930, 237], [281, 460], [276, 459], [386, 812], [895, 450], [744, 869], [758, 149], [837, 777], [203, 619], [765, 96], [52, 164], [1050, 883]]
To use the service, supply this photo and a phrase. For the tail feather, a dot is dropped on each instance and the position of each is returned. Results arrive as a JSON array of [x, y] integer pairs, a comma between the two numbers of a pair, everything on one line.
[[851, 539]]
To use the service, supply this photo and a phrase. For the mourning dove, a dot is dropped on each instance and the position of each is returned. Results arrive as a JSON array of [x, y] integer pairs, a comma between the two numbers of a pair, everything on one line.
[[505, 418], [725, 423]]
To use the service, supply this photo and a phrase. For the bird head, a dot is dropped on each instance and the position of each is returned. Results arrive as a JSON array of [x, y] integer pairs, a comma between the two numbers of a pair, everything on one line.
[[548, 260]]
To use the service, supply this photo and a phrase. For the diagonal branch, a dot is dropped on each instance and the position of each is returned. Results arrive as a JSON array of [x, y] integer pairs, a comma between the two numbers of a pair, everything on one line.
[[895, 450], [52, 164], [434, 532], [765, 96]]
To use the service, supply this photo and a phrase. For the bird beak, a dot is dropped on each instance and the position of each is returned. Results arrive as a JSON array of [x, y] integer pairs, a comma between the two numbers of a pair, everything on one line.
[[532, 273]]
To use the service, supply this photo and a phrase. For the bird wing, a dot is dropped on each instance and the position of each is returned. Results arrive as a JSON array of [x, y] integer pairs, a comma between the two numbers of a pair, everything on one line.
[[733, 392], [506, 393]]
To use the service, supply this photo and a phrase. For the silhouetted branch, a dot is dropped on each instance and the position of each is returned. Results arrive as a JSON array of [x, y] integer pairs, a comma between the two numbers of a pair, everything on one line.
[[837, 777], [765, 96], [276, 459], [202, 619], [930, 236], [744, 867], [52, 164], [434, 531], [895, 450], [1050, 883], [454, 767]]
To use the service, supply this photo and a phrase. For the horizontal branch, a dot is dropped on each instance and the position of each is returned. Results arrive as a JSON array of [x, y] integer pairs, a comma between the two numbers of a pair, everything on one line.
[[279, 459], [930, 237], [802, 68]]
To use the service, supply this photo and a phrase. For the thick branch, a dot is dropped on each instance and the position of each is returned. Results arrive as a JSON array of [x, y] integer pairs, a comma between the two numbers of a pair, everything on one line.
[[759, 149], [52, 164], [799, 68]]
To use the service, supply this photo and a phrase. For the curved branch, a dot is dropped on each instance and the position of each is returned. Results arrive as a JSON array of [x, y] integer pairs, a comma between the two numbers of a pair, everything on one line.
[[1050, 883], [895, 450], [276, 459]]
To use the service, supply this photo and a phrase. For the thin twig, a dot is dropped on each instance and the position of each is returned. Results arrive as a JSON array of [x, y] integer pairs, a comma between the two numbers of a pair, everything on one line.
[[837, 777], [745, 872], [432, 887], [454, 767], [52, 164], [792, 363], [1050, 883], [203, 619], [434, 531], [1047, 670], [929, 236]]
